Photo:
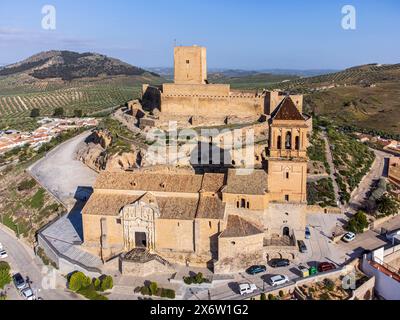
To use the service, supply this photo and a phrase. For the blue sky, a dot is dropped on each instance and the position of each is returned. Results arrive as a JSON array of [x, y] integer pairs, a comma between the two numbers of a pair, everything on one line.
[[252, 34]]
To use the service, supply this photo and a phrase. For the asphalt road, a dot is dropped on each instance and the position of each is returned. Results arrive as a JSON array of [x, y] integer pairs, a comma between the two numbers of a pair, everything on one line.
[[375, 173], [45, 283]]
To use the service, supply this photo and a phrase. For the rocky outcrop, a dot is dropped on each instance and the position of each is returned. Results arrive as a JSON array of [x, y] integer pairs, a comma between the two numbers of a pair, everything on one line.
[[93, 155], [123, 162]]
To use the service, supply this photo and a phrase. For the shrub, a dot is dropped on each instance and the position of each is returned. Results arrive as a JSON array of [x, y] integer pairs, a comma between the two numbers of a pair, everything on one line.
[[97, 284], [188, 280], [281, 293], [26, 185], [79, 281], [388, 205], [58, 112], [5, 277], [107, 283], [263, 296], [169, 293], [153, 288], [325, 296], [329, 284], [91, 294], [145, 291], [271, 297], [78, 113], [199, 278], [35, 113]]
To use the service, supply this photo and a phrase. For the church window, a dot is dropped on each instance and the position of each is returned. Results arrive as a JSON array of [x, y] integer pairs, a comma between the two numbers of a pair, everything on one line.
[[248, 205], [297, 143], [187, 61], [288, 142], [210, 224], [287, 198], [243, 203], [119, 221], [238, 204], [287, 175]]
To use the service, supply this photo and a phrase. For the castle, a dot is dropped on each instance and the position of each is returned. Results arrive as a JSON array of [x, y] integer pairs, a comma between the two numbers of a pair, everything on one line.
[[191, 100], [223, 220]]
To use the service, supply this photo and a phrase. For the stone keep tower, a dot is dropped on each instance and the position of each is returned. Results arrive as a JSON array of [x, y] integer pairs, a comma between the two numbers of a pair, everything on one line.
[[287, 164], [190, 65]]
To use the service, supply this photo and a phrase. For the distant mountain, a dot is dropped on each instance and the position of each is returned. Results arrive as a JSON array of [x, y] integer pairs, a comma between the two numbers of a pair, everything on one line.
[[68, 66], [358, 75], [234, 73]]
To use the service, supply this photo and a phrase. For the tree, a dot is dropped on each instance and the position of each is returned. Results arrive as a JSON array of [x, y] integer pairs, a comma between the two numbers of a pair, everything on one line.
[[263, 296], [35, 113], [58, 112], [5, 277], [107, 283], [358, 223], [153, 288], [198, 278], [79, 281], [387, 205], [78, 113]]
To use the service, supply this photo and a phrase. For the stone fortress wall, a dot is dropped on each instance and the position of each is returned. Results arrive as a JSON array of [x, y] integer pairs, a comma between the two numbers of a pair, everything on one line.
[[191, 98]]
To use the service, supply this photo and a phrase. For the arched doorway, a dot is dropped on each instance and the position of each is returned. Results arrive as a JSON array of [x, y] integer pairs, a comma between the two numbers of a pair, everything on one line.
[[286, 232], [279, 143], [288, 141], [140, 240]]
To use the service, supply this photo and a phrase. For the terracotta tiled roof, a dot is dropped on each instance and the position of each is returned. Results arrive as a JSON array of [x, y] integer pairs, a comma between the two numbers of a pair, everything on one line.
[[210, 207], [213, 182], [253, 182], [107, 204], [287, 111], [177, 208], [187, 183], [239, 227]]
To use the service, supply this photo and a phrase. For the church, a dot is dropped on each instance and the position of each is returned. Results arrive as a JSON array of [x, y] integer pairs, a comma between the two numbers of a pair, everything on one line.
[[224, 220]]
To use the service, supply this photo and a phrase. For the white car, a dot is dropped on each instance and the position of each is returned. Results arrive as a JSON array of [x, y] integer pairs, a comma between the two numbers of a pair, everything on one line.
[[1, 246], [349, 237], [247, 288], [279, 280], [3, 254], [27, 293]]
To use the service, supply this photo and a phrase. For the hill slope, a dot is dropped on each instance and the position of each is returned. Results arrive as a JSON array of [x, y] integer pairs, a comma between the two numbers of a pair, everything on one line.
[[367, 97], [69, 65], [86, 81]]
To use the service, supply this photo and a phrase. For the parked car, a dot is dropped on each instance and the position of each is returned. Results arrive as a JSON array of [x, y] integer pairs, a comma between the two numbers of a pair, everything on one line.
[[349, 237], [307, 233], [256, 269], [390, 236], [278, 263], [304, 271], [19, 281], [326, 266], [1, 246], [279, 280], [3, 254], [27, 293], [247, 288], [302, 246]]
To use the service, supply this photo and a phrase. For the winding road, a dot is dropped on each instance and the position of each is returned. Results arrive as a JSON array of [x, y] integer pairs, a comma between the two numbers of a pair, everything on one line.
[[45, 283]]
